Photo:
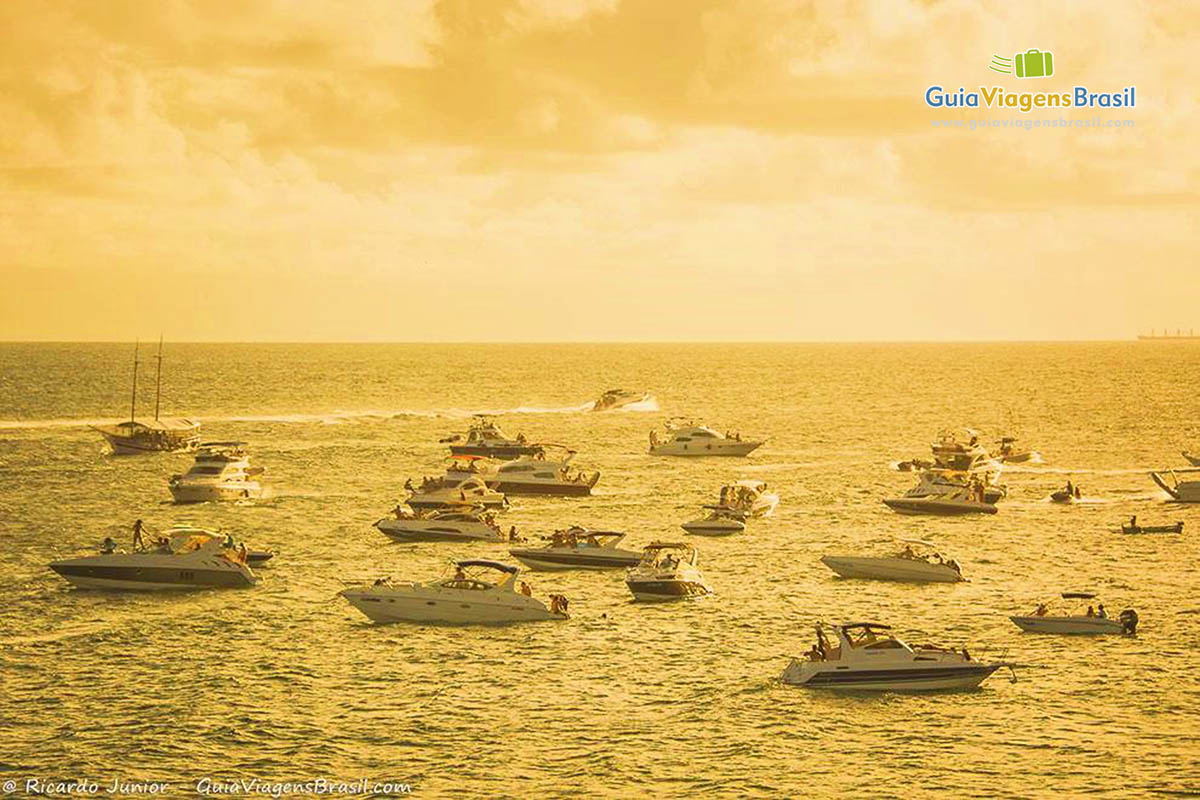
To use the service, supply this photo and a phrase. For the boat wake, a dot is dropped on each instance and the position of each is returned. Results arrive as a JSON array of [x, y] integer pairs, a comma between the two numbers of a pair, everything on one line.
[[649, 404]]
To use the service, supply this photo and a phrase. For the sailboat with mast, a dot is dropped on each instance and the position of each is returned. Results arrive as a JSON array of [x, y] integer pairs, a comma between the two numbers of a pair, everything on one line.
[[144, 435]]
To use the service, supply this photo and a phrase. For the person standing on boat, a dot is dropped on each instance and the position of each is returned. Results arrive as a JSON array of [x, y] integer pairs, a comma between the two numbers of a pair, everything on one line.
[[139, 543]]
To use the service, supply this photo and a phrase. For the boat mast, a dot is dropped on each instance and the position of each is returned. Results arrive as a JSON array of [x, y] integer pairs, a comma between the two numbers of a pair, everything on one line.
[[133, 397], [158, 378]]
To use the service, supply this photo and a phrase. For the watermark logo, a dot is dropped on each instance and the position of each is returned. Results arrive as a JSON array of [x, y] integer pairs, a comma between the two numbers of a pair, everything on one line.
[[1033, 63]]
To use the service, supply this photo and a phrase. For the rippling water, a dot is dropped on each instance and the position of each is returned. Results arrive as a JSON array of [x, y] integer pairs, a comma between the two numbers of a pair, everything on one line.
[[286, 681]]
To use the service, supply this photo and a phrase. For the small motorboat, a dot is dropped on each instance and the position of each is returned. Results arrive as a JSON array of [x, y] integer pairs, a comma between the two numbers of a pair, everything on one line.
[[1191, 458], [438, 493], [720, 521], [940, 506], [485, 438], [1133, 527], [947, 482], [191, 558], [472, 524], [667, 571], [750, 497], [918, 562], [1074, 621], [867, 657], [478, 591], [579, 548], [538, 475], [690, 439], [1180, 491], [619, 398], [221, 472], [1007, 452]]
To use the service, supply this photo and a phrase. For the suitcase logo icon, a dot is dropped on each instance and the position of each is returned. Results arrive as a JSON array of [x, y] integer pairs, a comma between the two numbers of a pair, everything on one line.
[[1034, 64]]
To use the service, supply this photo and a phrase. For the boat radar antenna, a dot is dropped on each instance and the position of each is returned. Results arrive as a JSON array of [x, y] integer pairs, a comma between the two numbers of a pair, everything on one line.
[[133, 396], [158, 377]]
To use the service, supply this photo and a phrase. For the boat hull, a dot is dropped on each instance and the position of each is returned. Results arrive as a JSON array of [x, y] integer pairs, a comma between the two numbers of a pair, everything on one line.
[[448, 609], [148, 579], [429, 504], [502, 452], [902, 678], [711, 529], [184, 494], [131, 446], [1075, 626], [944, 508], [663, 591], [436, 533], [722, 447], [544, 560], [571, 489], [891, 569]]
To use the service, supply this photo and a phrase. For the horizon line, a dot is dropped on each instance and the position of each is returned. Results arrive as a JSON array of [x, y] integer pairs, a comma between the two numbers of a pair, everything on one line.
[[1138, 337]]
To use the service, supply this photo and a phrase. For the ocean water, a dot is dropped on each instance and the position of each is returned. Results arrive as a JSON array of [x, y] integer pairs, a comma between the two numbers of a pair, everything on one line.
[[285, 681]]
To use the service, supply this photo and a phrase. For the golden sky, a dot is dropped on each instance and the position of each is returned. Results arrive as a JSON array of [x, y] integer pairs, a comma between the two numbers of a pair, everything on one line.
[[527, 170]]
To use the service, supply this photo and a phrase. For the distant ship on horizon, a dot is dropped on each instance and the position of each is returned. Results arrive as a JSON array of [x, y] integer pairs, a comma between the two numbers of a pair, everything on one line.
[[1178, 334]]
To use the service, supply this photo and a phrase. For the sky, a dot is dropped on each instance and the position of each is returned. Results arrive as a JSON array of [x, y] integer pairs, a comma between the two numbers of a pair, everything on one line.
[[589, 170]]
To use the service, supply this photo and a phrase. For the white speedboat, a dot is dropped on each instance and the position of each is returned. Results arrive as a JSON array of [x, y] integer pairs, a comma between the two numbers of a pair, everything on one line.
[[1008, 453], [535, 475], [157, 435], [474, 524], [667, 571], [477, 591], [221, 471], [485, 438], [866, 657], [1074, 620], [720, 521], [941, 505], [918, 562], [619, 398], [946, 483], [189, 558], [699, 440], [749, 497], [438, 493], [579, 548], [1180, 491], [959, 450]]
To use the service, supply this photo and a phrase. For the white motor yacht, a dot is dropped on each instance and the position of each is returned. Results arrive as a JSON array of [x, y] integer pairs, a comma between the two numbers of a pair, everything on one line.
[[472, 524], [221, 471], [531, 475], [619, 398], [959, 450], [477, 591], [918, 562], [749, 497], [720, 521], [867, 657], [947, 482], [485, 438], [157, 435], [189, 558], [667, 571], [579, 548], [1180, 491], [691, 439], [1074, 620], [438, 493]]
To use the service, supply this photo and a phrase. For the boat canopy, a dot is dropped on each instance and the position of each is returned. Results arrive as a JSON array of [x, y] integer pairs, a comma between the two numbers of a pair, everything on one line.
[[496, 565], [867, 625], [654, 546]]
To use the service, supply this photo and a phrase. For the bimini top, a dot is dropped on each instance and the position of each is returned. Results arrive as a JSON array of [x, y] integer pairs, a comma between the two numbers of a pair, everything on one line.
[[849, 626], [496, 565], [667, 546], [1078, 596]]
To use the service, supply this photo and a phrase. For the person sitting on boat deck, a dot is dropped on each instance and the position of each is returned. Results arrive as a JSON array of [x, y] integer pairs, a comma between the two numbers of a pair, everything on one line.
[[512, 534], [1133, 526], [814, 654], [164, 544], [1091, 612], [139, 544], [669, 562], [1041, 610], [572, 539], [1078, 494], [1100, 612], [521, 438], [908, 552], [408, 484], [109, 545], [459, 575], [556, 539], [526, 589]]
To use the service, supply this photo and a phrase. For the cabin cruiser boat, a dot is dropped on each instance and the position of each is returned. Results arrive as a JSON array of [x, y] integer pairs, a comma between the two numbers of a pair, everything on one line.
[[967, 501], [699, 440], [918, 562], [477, 591], [946, 483], [157, 435], [720, 521], [440, 493], [749, 497], [485, 438], [1181, 491], [667, 571], [221, 471], [471, 524], [1133, 527], [1194, 460], [959, 450], [190, 558], [529, 475], [1007, 452], [867, 657], [619, 398], [579, 548], [1076, 621]]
